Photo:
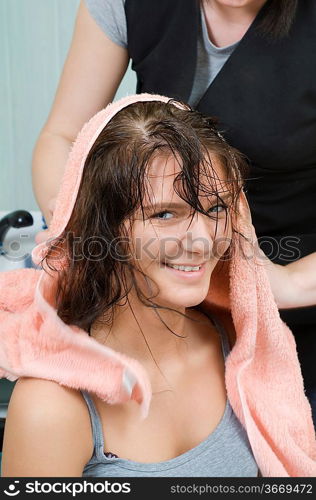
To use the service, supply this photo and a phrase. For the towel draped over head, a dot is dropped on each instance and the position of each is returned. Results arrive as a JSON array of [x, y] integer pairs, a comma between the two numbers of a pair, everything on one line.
[[263, 378]]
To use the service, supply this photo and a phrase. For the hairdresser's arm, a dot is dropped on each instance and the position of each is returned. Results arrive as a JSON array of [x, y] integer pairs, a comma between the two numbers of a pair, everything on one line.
[[91, 75], [47, 431], [293, 285]]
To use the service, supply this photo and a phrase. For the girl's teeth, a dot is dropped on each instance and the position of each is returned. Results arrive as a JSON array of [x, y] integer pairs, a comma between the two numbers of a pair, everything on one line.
[[184, 268]]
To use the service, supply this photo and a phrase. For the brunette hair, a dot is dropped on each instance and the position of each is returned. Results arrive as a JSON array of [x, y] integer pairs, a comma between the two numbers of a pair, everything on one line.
[[278, 18], [112, 189]]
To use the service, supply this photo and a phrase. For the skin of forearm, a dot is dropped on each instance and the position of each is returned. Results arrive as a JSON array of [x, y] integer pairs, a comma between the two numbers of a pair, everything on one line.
[[293, 285], [302, 275], [49, 158]]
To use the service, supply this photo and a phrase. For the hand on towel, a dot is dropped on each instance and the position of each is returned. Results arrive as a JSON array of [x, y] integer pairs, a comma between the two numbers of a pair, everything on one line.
[[42, 236], [293, 285]]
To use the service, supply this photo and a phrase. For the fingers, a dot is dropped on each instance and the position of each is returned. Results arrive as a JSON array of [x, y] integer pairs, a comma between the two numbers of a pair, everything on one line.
[[51, 205], [243, 209], [41, 236]]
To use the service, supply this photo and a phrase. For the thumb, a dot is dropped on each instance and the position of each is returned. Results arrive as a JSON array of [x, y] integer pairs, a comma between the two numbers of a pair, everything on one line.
[[244, 220], [51, 205], [41, 236], [244, 209]]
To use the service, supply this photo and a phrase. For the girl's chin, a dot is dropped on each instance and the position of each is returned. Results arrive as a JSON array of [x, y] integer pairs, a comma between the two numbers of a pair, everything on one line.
[[181, 302]]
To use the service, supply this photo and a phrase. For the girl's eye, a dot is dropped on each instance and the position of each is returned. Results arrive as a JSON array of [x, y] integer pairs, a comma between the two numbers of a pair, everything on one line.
[[161, 215], [218, 208]]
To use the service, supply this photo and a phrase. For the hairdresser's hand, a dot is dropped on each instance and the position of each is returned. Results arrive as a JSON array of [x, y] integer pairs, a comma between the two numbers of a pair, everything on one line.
[[42, 236], [293, 285], [244, 221], [248, 231]]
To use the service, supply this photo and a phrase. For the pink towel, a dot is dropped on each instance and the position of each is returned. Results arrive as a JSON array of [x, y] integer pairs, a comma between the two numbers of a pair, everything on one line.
[[263, 377]]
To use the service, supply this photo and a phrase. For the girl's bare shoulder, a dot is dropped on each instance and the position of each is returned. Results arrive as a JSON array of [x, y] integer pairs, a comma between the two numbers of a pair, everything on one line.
[[47, 431]]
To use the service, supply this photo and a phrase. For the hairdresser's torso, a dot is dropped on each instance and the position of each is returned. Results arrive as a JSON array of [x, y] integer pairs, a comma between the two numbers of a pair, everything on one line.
[[264, 96], [262, 90]]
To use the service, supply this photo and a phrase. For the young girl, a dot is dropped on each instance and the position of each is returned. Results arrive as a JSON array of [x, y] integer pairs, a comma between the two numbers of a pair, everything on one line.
[[154, 219]]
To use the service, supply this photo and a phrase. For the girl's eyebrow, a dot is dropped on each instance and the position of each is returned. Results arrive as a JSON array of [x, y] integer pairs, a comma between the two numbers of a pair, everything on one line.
[[165, 205], [225, 197]]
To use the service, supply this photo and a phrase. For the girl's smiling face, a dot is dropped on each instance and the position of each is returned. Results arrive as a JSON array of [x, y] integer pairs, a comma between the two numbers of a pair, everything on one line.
[[174, 247], [153, 194]]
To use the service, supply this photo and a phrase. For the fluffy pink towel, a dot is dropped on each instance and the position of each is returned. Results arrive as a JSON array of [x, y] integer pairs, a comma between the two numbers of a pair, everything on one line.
[[263, 377]]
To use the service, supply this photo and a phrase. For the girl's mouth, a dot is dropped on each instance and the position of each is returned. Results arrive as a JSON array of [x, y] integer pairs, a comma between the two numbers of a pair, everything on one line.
[[185, 271]]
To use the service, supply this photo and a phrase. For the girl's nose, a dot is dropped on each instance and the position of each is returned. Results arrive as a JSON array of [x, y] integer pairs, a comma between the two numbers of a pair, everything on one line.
[[198, 237]]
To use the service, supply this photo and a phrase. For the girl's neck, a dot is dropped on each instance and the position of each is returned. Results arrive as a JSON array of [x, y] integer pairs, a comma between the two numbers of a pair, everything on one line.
[[141, 333], [227, 24]]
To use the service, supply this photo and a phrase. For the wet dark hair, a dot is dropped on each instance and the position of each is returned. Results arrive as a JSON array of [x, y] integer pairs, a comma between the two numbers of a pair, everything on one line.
[[112, 189]]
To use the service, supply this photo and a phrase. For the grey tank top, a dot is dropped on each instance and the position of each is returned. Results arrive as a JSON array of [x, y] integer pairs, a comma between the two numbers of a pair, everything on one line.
[[226, 452]]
